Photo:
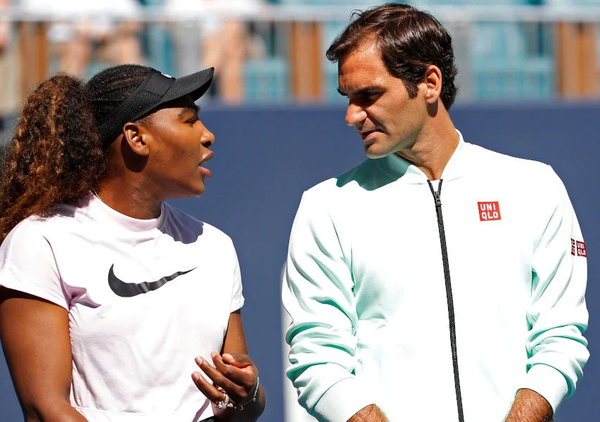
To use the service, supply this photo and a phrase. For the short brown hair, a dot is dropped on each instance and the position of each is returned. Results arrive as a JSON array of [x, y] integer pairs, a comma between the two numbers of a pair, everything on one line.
[[409, 41]]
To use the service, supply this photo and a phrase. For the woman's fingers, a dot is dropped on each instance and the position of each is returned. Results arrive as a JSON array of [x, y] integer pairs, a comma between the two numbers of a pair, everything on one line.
[[239, 360], [237, 382], [206, 387], [239, 371], [237, 392], [234, 373]]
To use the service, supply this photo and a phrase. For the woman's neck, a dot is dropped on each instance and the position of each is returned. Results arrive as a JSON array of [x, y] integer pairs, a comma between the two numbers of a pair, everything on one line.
[[129, 199]]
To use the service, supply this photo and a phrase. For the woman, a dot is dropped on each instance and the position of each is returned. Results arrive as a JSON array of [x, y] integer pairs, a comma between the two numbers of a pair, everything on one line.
[[107, 293]]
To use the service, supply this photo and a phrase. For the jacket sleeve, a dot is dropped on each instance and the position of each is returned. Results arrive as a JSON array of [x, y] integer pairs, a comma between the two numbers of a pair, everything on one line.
[[557, 316], [318, 295]]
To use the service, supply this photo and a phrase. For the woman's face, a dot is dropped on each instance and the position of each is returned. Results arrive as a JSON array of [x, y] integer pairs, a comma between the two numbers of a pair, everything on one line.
[[179, 147]]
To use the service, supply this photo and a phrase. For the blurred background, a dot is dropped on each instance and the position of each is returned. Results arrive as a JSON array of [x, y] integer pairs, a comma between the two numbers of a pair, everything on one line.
[[272, 52], [528, 86]]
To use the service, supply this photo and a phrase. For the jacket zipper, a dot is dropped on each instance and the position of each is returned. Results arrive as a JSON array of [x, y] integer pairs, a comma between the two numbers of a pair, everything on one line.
[[450, 301]]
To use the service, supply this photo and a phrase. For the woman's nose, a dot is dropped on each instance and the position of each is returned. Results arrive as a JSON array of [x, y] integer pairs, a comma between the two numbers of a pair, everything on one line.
[[208, 138]]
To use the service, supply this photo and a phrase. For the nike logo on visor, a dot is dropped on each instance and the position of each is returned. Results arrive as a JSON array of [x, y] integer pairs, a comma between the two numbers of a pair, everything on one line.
[[124, 289]]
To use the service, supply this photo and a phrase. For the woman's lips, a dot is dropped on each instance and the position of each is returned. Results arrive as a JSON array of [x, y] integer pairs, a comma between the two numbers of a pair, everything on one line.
[[205, 172]]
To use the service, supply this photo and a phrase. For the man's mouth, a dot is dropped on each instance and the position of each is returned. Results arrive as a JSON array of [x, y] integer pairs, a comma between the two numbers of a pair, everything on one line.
[[366, 133]]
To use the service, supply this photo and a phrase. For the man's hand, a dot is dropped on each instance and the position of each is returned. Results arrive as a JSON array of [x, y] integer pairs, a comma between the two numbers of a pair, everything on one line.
[[529, 406], [371, 413]]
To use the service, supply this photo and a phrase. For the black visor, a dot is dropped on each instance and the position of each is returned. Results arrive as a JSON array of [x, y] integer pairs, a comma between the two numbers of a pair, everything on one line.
[[156, 90]]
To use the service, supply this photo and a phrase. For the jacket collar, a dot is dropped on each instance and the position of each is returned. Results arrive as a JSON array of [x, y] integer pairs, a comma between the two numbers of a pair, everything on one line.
[[399, 168]]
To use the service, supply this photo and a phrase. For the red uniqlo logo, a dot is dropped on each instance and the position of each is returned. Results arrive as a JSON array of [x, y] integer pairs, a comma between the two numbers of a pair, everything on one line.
[[489, 211], [581, 250], [578, 248]]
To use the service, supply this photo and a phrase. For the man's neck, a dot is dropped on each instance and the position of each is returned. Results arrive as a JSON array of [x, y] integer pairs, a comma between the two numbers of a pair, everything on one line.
[[433, 150]]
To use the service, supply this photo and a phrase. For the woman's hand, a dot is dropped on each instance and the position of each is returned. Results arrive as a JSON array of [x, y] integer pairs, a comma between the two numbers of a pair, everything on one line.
[[233, 375]]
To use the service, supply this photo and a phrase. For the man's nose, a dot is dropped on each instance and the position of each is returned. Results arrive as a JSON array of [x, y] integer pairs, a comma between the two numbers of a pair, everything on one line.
[[355, 115]]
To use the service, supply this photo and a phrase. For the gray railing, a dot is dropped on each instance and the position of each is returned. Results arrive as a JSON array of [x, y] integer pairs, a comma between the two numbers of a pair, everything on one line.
[[504, 53]]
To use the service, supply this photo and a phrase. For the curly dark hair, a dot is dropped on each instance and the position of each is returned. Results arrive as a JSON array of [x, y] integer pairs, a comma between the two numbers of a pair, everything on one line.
[[56, 155], [409, 41]]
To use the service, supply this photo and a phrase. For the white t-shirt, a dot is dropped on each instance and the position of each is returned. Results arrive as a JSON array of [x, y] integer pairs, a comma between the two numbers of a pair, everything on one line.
[[145, 297]]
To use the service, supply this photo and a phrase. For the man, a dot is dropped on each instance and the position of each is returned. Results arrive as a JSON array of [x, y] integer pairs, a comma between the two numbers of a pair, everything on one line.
[[437, 281]]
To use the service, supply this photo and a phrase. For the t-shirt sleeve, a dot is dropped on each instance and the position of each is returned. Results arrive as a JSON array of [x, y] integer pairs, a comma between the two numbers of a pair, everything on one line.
[[237, 296], [27, 265]]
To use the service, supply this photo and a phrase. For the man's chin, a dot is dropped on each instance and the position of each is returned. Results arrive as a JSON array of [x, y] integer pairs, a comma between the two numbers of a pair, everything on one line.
[[373, 153]]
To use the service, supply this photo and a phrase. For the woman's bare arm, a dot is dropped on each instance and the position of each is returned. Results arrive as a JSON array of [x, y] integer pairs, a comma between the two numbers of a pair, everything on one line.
[[37, 346]]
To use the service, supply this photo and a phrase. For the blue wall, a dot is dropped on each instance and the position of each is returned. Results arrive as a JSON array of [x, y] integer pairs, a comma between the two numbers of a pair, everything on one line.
[[266, 157]]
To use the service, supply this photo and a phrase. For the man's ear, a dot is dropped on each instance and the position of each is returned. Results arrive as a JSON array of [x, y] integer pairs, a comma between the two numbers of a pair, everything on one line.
[[137, 138], [433, 83]]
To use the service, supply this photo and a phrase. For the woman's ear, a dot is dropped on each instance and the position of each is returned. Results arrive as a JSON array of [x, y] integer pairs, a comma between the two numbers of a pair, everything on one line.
[[137, 138]]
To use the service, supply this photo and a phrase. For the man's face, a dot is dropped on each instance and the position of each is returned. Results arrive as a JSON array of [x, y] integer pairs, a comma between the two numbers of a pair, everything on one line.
[[379, 107]]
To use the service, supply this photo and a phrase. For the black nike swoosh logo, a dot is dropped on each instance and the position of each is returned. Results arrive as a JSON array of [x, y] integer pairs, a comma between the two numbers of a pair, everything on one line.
[[124, 289]]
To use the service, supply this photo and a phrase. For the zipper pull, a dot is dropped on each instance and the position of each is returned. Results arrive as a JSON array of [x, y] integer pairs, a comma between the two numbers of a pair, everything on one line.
[[438, 200], [436, 195]]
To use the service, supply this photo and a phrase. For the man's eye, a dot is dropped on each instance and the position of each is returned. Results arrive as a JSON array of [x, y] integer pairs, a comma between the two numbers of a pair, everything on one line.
[[192, 120], [368, 97]]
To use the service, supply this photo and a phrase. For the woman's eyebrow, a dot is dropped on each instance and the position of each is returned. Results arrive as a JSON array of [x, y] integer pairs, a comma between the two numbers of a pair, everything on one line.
[[186, 110]]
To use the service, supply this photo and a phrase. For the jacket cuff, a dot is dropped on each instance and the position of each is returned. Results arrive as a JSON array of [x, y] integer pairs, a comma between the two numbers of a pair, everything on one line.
[[343, 400], [547, 382]]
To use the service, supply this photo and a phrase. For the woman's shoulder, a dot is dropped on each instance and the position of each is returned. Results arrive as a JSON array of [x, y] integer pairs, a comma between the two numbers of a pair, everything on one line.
[[32, 236], [56, 218], [181, 224]]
